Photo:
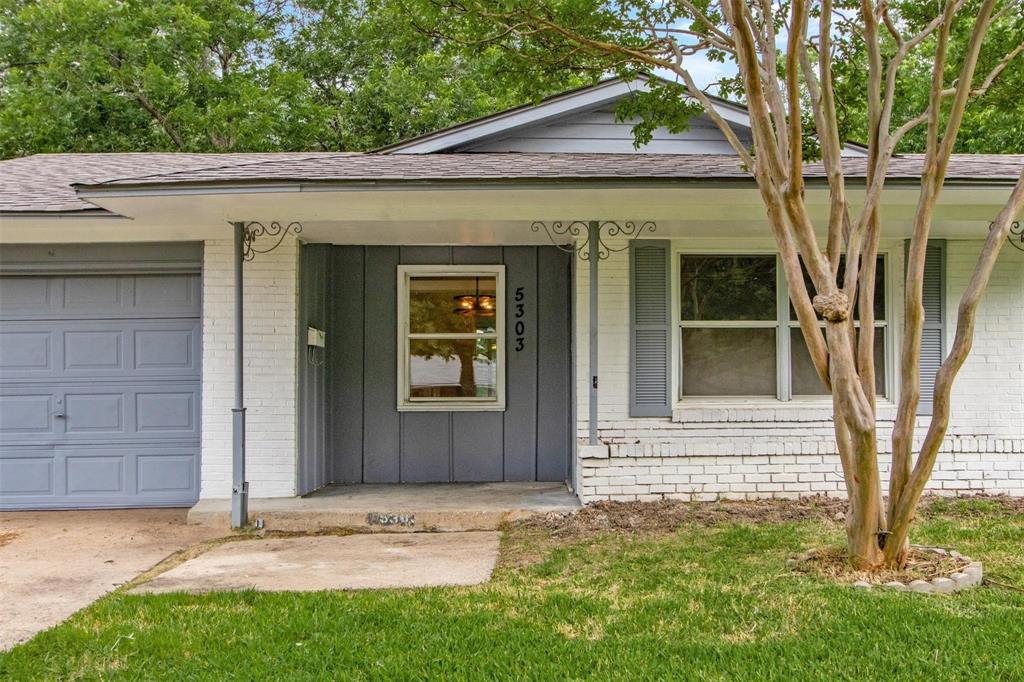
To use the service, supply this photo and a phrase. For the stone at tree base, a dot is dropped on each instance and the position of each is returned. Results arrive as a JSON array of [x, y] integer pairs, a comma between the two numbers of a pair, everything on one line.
[[962, 580], [896, 585], [943, 586], [922, 586], [862, 585], [974, 570]]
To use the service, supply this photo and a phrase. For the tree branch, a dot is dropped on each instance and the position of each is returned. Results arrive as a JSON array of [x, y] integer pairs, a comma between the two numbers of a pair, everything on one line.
[[950, 367]]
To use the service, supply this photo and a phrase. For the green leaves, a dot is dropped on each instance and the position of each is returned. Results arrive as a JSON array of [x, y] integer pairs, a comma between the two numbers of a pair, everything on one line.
[[234, 75], [665, 104], [993, 123]]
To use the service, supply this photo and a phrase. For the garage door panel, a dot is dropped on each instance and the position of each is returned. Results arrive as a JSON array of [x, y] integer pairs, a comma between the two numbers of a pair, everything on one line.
[[26, 352], [98, 476], [92, 413], [167, 474], [94, 293], [170, 294], [23, 474], [167, 411], [99, 390], [167, 348], [133, 412], [27, 414], [100, 296], [30, 295], [94, 351], [92, 475], [100, 350]]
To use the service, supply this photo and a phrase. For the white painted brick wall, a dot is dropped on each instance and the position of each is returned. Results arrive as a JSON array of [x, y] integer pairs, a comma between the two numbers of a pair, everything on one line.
[[774, 448], [270, 369], [988, 396]]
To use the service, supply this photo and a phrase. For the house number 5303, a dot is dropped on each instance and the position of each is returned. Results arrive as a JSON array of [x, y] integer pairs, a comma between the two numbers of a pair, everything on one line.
[[520, 325]]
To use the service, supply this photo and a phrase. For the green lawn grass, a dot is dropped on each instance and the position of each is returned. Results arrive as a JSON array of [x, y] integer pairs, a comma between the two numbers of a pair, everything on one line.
[[705, 603]]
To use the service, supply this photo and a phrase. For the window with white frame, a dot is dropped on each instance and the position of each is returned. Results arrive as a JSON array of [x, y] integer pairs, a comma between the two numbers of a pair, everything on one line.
[[451, 337], [738, 332]]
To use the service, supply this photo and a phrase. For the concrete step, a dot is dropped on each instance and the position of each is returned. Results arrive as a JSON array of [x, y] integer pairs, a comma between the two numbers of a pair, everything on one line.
[[398, 507]]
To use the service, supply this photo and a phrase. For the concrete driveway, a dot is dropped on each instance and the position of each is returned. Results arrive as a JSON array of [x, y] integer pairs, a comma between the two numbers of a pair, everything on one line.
[[55, 563]]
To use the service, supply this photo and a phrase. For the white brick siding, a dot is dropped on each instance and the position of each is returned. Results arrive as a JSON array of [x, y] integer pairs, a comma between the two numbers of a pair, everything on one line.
[[270, 369], [769, 448], [988, 396]]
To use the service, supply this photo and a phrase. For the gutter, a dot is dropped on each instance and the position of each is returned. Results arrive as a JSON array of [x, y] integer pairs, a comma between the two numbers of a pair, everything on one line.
[[91, 213], [469, 184]]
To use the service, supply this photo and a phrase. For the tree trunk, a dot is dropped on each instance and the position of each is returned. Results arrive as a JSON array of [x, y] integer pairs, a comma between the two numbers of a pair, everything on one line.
[[862, 523], [467, 372]]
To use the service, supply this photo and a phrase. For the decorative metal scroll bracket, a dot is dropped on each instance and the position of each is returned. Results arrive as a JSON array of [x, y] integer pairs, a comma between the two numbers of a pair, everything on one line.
[[1016, 236], [274, 229], [590, 246], [595, 230]]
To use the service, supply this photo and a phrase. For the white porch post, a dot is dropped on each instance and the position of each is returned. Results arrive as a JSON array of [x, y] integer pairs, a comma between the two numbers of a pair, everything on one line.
[[594, 256]]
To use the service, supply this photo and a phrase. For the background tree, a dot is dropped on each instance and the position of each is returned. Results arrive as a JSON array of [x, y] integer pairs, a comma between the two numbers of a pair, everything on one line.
[[235, 75], [786, 54], [145, 75], [992, 124], [382, 79]]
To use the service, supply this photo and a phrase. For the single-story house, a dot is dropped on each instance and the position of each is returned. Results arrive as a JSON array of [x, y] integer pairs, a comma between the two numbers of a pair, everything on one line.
[[426, 313]]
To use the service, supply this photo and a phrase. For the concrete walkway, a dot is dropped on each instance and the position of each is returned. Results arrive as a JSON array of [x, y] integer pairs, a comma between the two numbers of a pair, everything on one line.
[[306, 564], [55, 563], [398, 507]]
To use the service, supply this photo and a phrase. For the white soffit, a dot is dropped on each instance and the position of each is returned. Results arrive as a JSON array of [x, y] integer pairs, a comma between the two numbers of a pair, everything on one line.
[[491, 215]]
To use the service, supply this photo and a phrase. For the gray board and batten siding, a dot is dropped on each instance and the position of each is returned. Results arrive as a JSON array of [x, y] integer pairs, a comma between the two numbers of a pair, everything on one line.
[[599, 131], [100, 353], [352, 429]]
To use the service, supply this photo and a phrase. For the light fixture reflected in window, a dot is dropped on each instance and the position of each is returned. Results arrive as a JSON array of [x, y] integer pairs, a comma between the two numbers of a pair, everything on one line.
[[477, 305]]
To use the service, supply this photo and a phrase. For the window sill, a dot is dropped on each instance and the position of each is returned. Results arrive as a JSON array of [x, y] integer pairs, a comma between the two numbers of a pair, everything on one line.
[[739, 410], [451, 407]]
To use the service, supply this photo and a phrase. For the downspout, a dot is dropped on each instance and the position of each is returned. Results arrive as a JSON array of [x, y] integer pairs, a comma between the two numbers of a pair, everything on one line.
[[239, 486]]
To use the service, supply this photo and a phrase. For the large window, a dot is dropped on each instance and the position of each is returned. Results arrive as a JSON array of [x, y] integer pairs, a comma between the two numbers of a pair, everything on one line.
[[451, 337], [739, 336]]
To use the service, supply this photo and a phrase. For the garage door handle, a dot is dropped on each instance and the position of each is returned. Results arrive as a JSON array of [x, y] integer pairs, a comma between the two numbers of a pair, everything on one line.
[[59, 415]]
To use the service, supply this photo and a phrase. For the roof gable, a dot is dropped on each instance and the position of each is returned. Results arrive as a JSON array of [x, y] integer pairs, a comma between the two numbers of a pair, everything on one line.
[[583, 121]]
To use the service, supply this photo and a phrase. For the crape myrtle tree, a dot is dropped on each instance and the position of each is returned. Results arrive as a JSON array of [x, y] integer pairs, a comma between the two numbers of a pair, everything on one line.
[[785, 54]]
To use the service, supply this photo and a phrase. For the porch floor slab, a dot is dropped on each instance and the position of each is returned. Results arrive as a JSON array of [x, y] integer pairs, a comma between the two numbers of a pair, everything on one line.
[[355, 562], [398, 507]]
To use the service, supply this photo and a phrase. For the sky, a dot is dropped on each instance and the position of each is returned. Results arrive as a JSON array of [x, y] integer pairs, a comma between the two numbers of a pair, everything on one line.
[[705, 72]]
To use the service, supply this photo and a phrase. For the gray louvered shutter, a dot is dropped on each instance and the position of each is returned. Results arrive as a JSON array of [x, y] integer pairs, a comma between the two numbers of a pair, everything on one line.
[[933, 336], [650, 337]]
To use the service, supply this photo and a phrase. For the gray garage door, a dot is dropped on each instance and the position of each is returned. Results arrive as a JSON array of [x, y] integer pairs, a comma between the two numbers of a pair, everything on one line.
[[99, 390]]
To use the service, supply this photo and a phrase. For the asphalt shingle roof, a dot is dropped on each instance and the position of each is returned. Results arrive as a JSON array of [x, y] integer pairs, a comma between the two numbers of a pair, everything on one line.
[[43, 182], [46, 182]]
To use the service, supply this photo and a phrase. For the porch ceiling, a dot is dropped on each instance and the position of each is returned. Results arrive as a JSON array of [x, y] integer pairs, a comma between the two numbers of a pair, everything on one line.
[[369, 213]]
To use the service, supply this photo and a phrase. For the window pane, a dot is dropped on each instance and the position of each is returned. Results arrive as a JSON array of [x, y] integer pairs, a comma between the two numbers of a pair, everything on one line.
[[805, 379], [442, 305], [453, 368], [879, 288], [724, 361], [728, 287]]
